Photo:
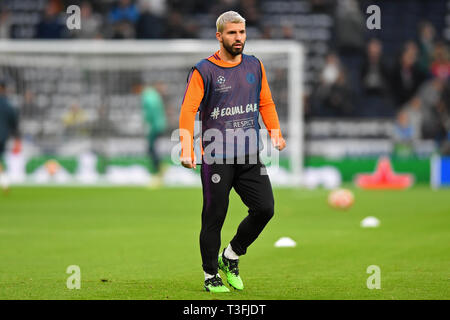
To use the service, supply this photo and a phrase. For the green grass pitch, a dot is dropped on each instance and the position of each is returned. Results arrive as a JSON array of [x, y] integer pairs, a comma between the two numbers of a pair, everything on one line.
[[136, 243]]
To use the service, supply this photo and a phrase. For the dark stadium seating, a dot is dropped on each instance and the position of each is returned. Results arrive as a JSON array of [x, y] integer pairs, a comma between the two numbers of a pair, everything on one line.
[[312, 22]]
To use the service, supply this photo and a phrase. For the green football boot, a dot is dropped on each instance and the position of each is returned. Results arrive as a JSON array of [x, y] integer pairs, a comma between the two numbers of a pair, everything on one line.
[[230, 267], [215, 285]]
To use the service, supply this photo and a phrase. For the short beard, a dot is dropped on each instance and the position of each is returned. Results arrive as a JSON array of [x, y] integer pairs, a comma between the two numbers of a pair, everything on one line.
[[232, 51]]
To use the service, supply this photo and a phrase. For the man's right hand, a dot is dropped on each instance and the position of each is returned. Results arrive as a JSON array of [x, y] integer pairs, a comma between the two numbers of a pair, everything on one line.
[[188, 163]]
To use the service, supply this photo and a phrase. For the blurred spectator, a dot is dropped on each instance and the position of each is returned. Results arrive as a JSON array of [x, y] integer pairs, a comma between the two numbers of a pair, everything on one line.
[[426, 114], [266, 32], [423, 110], [431, 94], [123, 17], [426, 45], [157, 7], [9, 126], [443, 109], [224, 5], [179, 27], [102, 124], [100, 128], [333, 95], [444, 103], [249, 10], [374, 81], [322, 6], [331, 70], [5, 24], [374, 71], [414, 110], [75, 119], [406, 76], [440, 67], [350, 27], [287, 31], [90, 23], [403, 134], [125, 10], [403, 129], [190, 7], [155, 117], [52, 25], [149, 24], [29, 107], [445, 146]]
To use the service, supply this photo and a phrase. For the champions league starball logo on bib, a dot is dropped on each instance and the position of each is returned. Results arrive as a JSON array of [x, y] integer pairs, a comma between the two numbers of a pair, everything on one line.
[[220, 79], [221, 87]]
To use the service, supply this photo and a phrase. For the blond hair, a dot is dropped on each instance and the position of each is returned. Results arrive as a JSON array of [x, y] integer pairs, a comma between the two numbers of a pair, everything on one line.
[[228, 17]]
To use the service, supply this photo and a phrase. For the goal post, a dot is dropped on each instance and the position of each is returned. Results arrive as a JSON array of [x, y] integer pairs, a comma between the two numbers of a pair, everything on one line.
[[47, 79]]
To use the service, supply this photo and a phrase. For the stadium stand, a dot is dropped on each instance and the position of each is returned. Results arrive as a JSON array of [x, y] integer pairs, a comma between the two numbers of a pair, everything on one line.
[[341, 78]]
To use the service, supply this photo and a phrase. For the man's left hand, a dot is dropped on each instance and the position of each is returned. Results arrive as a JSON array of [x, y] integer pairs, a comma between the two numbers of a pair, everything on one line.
[[279, 143]]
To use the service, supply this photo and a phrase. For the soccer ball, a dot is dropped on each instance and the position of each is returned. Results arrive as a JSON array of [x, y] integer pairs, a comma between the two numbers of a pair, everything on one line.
[[341, 199]]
